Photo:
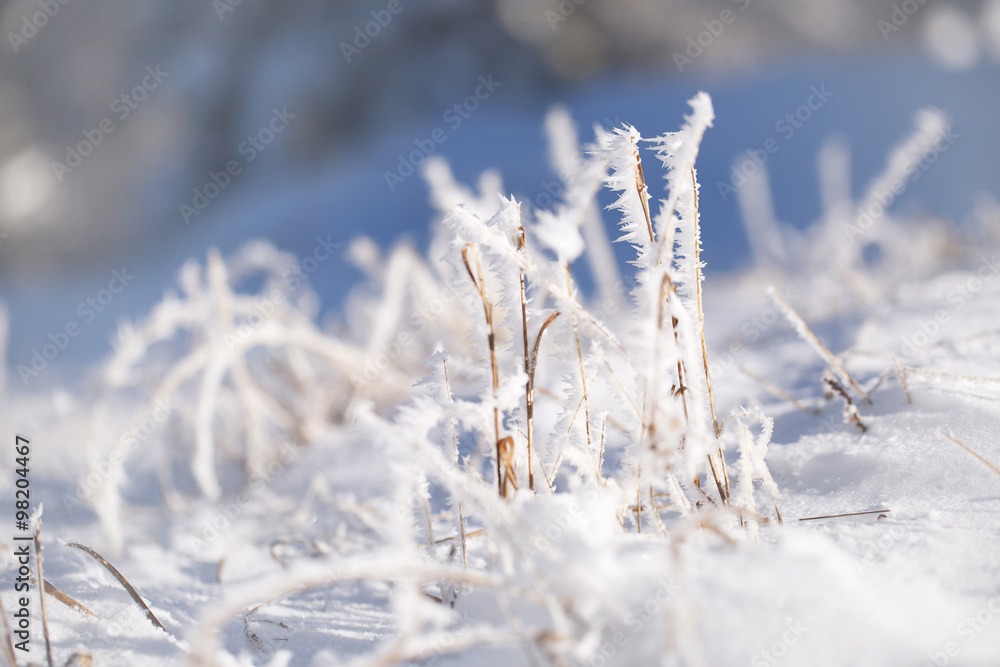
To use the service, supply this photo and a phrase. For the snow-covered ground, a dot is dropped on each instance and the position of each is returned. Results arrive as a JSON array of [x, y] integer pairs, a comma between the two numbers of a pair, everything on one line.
[[279, 481]]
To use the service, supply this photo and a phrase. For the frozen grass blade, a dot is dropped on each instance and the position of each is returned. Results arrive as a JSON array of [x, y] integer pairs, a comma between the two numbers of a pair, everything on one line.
[[807, 335], [7, 645], [643, 191], [901, 374], [837, 516], [52, 590], [530, 364], [45, 616], [698, 278], [121, 579], [454, 444], [470, 256]]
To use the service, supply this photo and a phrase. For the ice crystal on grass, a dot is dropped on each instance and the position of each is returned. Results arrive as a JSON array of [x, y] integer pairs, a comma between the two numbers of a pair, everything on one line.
[[449, 366]]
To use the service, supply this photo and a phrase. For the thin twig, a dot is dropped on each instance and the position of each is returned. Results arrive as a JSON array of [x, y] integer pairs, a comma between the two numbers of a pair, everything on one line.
[[51, 589], [780, 393], [982, 459], [701, 311], [837, 516], [8, 642], [902, 379], [718, 481], [480, 284], [952, 376], [528, 397], [45, 616], [824, 352], [850, 410], [643, 191], [121, 579]]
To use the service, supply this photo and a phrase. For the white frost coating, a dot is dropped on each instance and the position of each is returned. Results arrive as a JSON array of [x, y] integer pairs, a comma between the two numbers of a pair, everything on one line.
[[620, 149], [447, 193], [560, 234], [932, 127], [678, 152], [806, 334]]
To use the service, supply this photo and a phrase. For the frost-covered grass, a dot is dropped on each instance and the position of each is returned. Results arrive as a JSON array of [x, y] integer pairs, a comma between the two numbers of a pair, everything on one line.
[[480, 463]]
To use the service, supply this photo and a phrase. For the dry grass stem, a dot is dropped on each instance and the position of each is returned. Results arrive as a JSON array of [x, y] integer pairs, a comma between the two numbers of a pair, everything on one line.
[[528, 398], [701, 310], [902, 380], [52, 590], [805, 332], [643, 191], [477, 280], [121, 579], [41, 576], [982, 459], [837, 516], [530, 365], [7, 645], [779, 392]]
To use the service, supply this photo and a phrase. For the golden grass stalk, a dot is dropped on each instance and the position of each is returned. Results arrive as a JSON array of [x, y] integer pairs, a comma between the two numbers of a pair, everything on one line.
[[45, 616], [718, 482], [643, 191], [981, 379], [701, 310], [837, 516], [80, 659], [121, 579], [477, 280], [7, 645], [528, 394], [65, 599], [530, 364], [902, 379], [849, 408], [505, 449], [979, 457]]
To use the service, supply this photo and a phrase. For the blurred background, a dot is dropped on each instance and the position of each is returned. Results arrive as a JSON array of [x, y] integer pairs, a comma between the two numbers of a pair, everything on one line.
[[134, 135]]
